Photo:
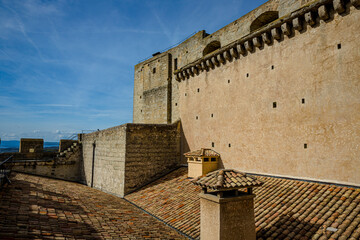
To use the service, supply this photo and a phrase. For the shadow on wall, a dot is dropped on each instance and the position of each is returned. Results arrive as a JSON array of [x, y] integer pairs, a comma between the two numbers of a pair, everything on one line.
[[184, 148]]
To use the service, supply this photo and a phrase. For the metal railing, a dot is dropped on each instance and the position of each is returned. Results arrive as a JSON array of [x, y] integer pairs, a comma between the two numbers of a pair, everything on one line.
[[5, 171]]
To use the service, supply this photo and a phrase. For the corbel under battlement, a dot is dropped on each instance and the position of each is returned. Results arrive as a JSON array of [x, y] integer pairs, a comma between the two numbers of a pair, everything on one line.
[[266, 35]]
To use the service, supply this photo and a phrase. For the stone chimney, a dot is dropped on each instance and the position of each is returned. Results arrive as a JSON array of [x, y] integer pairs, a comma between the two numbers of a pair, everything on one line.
[[226, 212]]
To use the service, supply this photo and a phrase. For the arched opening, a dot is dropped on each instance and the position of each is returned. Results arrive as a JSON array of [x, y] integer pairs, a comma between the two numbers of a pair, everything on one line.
[[264, 19], [211, 47]]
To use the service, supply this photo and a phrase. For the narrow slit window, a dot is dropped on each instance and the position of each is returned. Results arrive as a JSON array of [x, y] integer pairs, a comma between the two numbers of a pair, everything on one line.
[[303, 101], [154, 70], [198, 89], [274, 104], [212, 115], [229, 81], [339, 46], [175, 104], [272, 67], [229, 144], [305, 145], [212, 144], [247, 75], [175, 64], [197, 117]]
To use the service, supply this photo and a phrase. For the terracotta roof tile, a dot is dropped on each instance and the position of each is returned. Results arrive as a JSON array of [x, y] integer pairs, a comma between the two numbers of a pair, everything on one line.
[[225, 179], [203, 152], [284, 208]]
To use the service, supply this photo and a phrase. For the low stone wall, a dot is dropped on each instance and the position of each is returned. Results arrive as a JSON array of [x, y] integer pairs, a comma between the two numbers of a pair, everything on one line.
[[121, 159], [31, 145], [67, 167], [65, 144]]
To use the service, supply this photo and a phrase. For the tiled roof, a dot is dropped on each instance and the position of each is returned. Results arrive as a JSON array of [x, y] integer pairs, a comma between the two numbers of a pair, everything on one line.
[[284, 208], [203, 152], [225, 179]]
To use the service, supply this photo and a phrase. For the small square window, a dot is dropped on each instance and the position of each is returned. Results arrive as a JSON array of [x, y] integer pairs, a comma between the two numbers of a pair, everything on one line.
[[206, 159], [213, 159], [175, 104], [339, 46]]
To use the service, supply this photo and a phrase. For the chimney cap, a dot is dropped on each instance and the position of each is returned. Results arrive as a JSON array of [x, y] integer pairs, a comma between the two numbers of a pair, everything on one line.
[[226, 179], [203, 152]]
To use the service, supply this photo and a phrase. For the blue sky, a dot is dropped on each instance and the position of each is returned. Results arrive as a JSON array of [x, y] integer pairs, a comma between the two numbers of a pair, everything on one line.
[[67, 65]]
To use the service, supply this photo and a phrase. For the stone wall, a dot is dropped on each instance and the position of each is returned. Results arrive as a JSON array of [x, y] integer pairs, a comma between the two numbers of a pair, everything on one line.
[[30, 145], [283, 101], [159, 102], [67, 167], [104, 159], [126, 157], [65, 144], [151, 151]]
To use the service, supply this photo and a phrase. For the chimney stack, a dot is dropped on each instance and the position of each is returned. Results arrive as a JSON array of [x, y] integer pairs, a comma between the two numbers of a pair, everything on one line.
[[226, 212]]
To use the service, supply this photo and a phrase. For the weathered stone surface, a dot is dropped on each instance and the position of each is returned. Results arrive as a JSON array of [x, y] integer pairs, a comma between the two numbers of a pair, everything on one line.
[[267, 38], [339, 6], [257, 41], [323, 12], [128, 156], [31, 145], [310, 18], [276, 33], [286, 29], [227, 55], [355, 3], [249, 46], [297, 24]]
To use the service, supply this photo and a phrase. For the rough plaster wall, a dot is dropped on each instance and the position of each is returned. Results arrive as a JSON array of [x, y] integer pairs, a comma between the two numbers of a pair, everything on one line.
[[109, 159], [151, 151], [267, 140]]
